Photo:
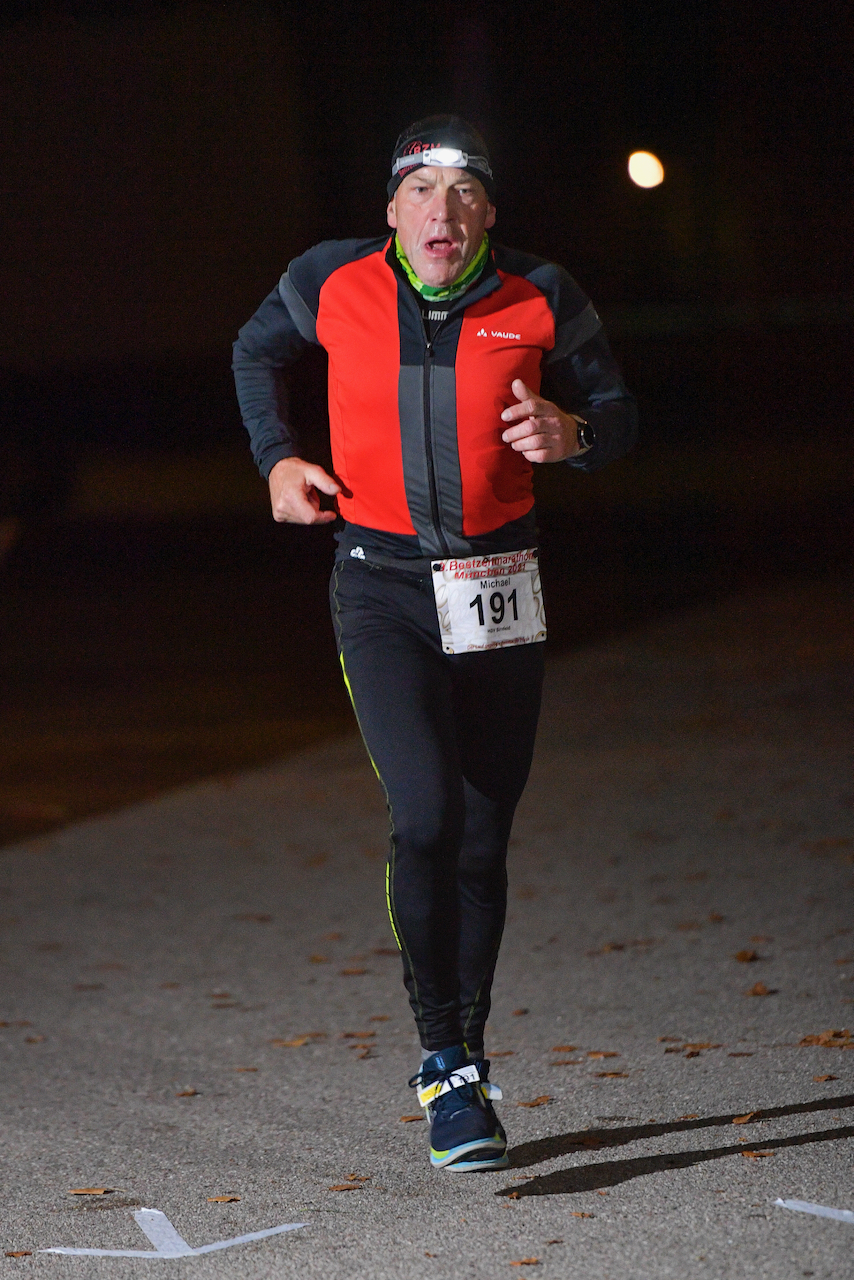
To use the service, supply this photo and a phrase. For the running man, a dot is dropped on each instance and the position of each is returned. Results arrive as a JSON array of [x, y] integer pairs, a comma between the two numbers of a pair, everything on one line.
[[437, 340]]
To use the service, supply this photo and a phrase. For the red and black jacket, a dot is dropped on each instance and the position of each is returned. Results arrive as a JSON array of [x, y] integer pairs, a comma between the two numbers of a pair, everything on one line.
[[415, 409]]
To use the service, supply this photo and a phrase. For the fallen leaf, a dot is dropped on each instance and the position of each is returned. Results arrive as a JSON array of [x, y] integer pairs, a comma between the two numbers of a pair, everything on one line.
[[187, 1093], [351, 973], [380, 1017], [430, 1255], [222, 1199], [512, 1195], [674, 1049], [715, 917], [219, 995], [359, 1177], [346, 1186], [615, 1075], [90, 1191], [845, 960], [824, 1079], [760, 989], [761, 937], [669, 1039], [245, 1068], [564, 1048], [746, 956], [541, 1101], [692, 1115], [410, 1119], [34, 1039], [526, 1262], [365, 1052], [693, 1053], [558, 1241], [599, 1053], [357, 1035], [757, 1155], [702, 1044], [520, 1013], [576, 1214], [385, 951], [568, 1062], [19, 1253], [505, 1053], [318, 959], [837, 1039], [743, 1119], [296, 1043]]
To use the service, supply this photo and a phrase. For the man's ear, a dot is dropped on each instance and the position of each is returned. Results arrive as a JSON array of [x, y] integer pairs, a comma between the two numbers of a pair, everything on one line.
[[391, 216], [490, 217]]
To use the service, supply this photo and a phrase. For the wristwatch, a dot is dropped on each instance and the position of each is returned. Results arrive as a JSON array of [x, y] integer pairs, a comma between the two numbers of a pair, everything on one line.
[[586, 435]]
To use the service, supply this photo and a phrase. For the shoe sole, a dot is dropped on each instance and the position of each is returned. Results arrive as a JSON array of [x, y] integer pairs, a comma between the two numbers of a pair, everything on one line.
[[493, 1157]]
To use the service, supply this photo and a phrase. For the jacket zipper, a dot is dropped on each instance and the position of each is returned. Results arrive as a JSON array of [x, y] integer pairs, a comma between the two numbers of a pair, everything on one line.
[[428, 435]]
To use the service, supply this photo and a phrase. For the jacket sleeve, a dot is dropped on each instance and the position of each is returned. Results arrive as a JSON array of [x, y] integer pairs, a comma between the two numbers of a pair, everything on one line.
[[582, 375], [269, 342]]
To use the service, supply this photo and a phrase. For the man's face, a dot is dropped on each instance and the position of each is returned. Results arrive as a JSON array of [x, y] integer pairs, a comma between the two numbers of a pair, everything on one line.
[[440, 216]]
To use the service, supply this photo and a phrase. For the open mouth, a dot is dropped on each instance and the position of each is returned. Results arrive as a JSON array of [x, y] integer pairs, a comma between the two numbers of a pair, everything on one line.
[[441, 247]]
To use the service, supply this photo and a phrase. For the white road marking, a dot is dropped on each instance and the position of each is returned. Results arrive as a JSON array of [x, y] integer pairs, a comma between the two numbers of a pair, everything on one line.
[[820, 1210], [168, 1243]]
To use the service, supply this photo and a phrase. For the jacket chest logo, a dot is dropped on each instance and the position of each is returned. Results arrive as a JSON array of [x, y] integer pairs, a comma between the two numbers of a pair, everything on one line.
[[494, 333]]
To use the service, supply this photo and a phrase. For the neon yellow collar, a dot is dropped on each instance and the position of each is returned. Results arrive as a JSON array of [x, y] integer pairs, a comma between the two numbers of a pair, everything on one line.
[[451, 291]]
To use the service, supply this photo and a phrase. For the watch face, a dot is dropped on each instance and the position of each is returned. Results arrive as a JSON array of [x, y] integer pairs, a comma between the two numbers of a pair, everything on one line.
[[586, 435]]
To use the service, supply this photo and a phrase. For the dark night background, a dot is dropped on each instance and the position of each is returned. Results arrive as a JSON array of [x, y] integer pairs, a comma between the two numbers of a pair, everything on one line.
[[162, 162]]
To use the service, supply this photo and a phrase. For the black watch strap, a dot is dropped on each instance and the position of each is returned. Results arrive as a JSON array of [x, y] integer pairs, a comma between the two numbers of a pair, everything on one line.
[[586, 436]]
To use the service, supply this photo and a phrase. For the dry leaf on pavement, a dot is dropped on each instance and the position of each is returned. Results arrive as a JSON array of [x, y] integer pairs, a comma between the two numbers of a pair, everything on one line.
[[318, 959], [756, 1155], [576, 1214], [19, 1253], [692, 1115], [90, 1191], [357, 1035], [187, 1093], [541, 1101], [611, 1075], [351, 973], [222, 1199], [838, 1039], [743, 1119], [520, 1013], [599, 1053], [824, 1079], [746, 955], [564, 1048], [526, 1262], [410, 1119], [760, 989]]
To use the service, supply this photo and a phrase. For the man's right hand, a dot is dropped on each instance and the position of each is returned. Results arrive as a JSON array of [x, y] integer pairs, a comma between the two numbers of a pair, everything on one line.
[[293, 492]]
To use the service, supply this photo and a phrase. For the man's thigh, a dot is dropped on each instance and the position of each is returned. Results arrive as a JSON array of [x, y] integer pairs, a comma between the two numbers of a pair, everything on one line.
[[400, 684]]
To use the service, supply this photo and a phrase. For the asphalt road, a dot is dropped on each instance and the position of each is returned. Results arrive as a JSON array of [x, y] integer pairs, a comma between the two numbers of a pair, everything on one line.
[[200, 996]]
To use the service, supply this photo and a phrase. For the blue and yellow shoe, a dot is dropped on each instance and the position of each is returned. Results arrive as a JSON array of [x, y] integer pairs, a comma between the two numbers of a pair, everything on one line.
[[464, 1130]]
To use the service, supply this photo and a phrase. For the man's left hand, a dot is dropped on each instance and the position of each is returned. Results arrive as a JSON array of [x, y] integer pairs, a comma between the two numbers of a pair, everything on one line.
[[542, 432]]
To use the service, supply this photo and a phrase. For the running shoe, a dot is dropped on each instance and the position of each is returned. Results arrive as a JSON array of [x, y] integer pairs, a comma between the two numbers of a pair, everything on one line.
[[465, 1133]]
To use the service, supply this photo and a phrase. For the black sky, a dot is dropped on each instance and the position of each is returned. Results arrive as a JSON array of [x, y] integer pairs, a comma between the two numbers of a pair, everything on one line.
[[162, 161]]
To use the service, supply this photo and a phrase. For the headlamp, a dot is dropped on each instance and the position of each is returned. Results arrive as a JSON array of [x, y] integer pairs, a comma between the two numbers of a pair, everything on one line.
[[441, 157]]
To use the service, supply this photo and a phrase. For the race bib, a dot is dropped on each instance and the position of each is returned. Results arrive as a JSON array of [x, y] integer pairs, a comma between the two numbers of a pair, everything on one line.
[[486, 602]]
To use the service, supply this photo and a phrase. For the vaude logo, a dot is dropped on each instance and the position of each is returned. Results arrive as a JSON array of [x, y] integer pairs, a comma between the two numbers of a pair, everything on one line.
[[494, 333]]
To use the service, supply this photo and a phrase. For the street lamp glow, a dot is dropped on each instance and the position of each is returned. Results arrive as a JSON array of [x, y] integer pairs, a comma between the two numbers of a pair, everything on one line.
[[645, 169]]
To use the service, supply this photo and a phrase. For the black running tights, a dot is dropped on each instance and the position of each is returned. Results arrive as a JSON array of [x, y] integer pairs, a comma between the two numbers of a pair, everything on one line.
[[451, 738]]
